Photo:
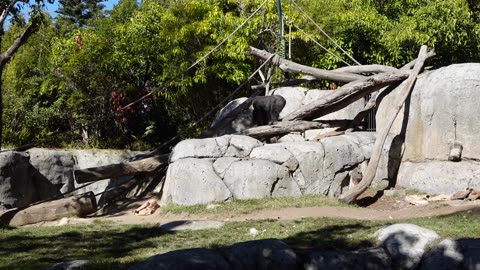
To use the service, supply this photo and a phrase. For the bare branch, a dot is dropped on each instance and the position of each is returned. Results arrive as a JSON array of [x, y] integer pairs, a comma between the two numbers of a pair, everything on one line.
[[290, 66]]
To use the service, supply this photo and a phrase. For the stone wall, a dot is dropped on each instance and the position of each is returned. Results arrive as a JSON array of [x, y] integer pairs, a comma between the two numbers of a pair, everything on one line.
[[39, 174], [233, 166]]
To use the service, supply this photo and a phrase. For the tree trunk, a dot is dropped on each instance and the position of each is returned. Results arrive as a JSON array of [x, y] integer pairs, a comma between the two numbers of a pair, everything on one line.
[[52, 210], [139, 167], [280, 128], [371, 170], [344, 96]]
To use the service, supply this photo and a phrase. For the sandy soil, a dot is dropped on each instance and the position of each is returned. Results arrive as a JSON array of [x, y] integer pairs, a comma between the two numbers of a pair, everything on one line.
[[373, 208]]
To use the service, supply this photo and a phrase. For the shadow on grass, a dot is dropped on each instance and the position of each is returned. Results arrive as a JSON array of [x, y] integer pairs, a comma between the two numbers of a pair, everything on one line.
[[344, 237], [41, 247]]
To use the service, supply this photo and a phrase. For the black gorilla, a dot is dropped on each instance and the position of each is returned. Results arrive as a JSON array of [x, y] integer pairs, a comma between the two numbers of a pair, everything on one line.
[[266, 109]]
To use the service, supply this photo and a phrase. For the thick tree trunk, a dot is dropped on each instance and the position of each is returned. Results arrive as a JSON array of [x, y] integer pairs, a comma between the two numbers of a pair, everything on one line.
[[280, 128], [346, 95], [140, 167], [369, 175], [51, 210]]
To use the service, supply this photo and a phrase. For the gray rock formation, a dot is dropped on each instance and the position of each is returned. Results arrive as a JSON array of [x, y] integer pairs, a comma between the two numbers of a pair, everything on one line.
[[406, 243]]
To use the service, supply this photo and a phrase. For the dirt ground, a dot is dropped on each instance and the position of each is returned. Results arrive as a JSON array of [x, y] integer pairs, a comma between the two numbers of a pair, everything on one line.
[[373, 207]]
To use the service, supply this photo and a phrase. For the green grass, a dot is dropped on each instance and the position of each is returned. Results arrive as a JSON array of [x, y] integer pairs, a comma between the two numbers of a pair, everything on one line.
[[119, 246], [238, 207]]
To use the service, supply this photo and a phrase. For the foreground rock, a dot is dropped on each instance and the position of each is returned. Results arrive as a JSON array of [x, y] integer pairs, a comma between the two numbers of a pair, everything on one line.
[[262, 255], [402, 246], [406, 243]]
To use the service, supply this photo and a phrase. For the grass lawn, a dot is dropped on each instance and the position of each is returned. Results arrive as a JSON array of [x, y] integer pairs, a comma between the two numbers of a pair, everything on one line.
[[119, 246]]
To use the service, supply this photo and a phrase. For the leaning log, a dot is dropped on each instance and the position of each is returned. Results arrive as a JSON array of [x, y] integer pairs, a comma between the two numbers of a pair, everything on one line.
[[290, 66], [346, 95], [81, 205], [139, 167], [370, 172], [280, 128]]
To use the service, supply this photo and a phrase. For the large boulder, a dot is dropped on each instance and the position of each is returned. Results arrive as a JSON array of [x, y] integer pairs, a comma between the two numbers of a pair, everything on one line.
[[440, 112], [256, 179], [54, 165], [17, 187], [406, 243], [348, 112], [193, 181], [241, 122], [439, 177], [454, 254]]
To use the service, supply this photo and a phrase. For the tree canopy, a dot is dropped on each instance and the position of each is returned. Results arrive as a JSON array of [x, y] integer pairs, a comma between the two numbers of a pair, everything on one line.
[[74, 80]]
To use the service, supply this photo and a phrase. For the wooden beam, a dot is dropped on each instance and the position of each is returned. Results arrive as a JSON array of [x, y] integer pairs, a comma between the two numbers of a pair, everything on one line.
[[290, 66], [139, 167], [347, 94], [280, 128]]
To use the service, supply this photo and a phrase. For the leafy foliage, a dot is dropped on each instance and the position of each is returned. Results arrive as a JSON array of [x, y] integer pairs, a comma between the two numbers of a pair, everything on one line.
[[75, 81]]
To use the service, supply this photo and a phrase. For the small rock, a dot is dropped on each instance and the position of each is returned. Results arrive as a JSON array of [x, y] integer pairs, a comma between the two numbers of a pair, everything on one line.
[[394, 192], [212, 206], [64, 221], [71, 265], [253, 232]]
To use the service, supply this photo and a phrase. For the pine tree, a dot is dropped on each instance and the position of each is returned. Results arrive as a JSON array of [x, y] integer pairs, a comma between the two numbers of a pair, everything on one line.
[[79, 12]]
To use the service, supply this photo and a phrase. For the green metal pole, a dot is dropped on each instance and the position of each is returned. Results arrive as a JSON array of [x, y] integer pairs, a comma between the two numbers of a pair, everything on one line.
[[282, 31]]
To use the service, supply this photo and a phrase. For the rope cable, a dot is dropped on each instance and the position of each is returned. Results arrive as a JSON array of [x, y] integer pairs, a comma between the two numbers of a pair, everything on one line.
[[320, 45], [228, 37], [323, 32], [214, 108]]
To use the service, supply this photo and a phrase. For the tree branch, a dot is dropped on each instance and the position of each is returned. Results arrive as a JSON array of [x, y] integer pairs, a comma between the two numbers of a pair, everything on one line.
[[18, 42], [290, 66]]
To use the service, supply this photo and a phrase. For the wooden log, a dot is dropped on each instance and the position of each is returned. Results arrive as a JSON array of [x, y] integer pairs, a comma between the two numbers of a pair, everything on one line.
[[139, 167], [371, 170], [346, 95], [290, 66], [280, 128], [366, 69], [51, 210]]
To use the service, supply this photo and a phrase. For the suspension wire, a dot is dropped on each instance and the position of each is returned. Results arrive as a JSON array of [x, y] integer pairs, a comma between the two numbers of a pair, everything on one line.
[[228, 37], [320, 45], [323, 32], [212, 110]]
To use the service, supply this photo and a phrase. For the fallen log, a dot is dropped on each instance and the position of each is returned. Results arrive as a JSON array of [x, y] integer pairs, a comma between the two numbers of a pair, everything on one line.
[[346, 95], [290, 66], [280, 128], [139, 167], [366, 69], [51, 210], [370, 172]]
